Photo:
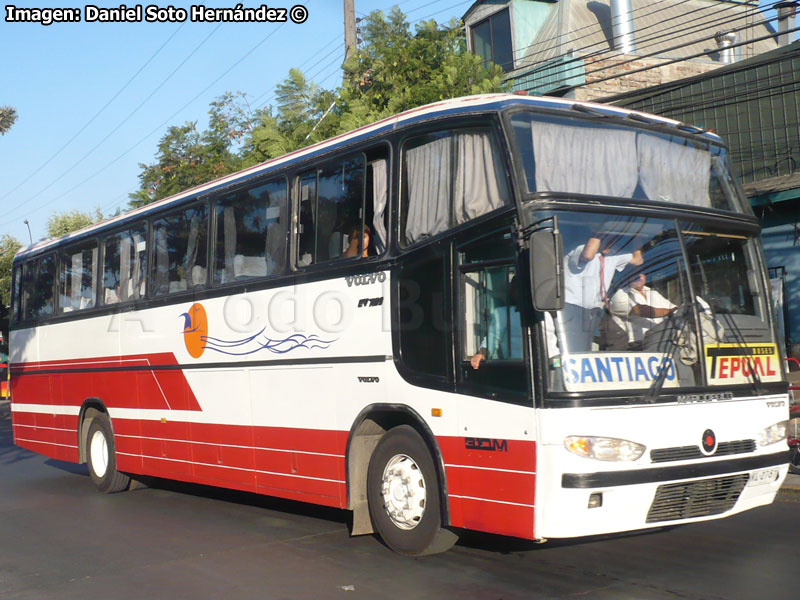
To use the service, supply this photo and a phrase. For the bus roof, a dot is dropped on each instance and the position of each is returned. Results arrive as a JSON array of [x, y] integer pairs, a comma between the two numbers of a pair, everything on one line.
[[455, 106]]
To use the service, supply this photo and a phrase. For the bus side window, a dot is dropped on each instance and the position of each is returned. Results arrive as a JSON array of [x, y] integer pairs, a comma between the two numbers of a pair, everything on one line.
[[491, 348], [125, 266], [27, 289], [44, 302], [16, 310], [331, 211], [449, 178], [77, 279], [425, 327], [180, 241], [251, 233], [493, 325]]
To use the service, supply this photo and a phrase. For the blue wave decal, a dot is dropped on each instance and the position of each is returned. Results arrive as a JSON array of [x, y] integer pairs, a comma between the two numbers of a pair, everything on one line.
[[259, 341]]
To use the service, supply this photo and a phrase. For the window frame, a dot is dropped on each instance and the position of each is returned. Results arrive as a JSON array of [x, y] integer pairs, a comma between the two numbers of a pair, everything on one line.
[[202, 201], [504, 228], [217, 199], [53, 284], [143, 223], [490, 123], [489, 20], [70, 249], [296, 199]]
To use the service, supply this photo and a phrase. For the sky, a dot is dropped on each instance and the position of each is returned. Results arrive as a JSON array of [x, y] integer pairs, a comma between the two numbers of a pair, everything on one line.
[[94, 99]]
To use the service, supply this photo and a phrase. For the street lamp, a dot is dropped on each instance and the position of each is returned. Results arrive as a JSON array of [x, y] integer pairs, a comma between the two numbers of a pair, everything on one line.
[[29, 230]]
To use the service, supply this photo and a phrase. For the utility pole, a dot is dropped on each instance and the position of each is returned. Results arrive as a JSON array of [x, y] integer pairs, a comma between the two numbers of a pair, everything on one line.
[[349, 29]]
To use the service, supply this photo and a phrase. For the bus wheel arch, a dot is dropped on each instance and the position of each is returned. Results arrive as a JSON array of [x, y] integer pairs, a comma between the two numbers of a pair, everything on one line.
[[98, 450], [370, 429], [91, 408]]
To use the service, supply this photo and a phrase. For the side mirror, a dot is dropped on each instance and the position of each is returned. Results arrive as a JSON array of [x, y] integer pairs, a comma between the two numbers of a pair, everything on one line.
[[546, 258]]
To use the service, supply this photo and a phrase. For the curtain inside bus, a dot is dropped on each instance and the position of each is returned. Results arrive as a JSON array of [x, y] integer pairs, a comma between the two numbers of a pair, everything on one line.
[[450, 178], [601, 159]]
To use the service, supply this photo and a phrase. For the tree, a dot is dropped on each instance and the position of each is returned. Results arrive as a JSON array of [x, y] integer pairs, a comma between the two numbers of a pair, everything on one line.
[[8, 117], [397, 70], [9, 246], [296, 123], [187, 158], [59, 224]]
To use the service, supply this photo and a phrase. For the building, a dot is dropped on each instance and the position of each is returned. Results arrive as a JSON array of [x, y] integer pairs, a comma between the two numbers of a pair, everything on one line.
[[588, 49]]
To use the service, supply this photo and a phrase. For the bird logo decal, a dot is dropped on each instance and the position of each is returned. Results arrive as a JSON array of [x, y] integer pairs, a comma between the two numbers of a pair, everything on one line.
[[197, 340], [195, 330]]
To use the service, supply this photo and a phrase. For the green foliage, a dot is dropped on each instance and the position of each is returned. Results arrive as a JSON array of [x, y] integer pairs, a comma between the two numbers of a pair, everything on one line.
[[296, 123], [394, 70], [8, 117], [9, 246], [397, 70], [187, 158], [59, 224]]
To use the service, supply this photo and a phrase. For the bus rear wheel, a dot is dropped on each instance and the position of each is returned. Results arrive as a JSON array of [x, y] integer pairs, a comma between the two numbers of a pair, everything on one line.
[[102, 457], [403, 495]]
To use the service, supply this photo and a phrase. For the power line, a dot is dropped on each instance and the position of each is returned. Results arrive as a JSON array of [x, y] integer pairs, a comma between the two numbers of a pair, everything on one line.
[[113, 131], [439, 11], [669, 62], [234, 65], [270, 93], [97, 114], [638, 57], [594, 27], [574, 61]]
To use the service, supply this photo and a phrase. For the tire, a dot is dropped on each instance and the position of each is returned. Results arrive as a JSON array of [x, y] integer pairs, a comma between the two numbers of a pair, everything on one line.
[[794, 460], [101, 457], [404, 496]]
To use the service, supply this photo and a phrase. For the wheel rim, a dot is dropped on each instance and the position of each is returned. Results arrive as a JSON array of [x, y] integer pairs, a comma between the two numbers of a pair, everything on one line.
[[98, 450], [404, 492]]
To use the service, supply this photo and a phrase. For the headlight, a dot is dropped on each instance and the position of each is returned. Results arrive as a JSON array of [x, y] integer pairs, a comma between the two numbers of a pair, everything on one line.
[[773, 434], [603, 448]]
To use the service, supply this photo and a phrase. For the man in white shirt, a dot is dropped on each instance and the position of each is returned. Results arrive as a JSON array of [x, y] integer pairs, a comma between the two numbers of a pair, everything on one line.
[[589, 270], [638, 308]]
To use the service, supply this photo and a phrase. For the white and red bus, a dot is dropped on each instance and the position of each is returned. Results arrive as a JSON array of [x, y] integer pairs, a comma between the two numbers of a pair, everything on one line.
[[525, 316]]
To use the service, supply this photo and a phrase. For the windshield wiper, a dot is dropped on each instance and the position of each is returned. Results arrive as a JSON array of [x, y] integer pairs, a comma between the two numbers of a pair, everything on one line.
[[679, 322]]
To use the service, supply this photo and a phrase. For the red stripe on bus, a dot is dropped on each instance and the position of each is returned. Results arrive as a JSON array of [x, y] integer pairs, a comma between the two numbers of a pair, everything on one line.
[[117, 387], [502, 486], [297, 464], [505, 519]]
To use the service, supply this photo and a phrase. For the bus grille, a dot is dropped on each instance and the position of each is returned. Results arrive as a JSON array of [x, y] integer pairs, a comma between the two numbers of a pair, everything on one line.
[[696, 498], [692, 452]]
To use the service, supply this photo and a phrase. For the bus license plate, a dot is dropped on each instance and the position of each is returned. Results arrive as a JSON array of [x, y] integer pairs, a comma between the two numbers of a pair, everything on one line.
[[763, 476]]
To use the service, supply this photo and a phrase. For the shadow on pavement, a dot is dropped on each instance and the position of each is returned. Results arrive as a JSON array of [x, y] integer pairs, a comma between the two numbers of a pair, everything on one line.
[[508, 545], [246, 498], [9, 453]]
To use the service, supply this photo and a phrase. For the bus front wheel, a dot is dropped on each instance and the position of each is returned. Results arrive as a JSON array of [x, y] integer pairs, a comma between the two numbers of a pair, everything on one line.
[[403, 495], [102, 457]]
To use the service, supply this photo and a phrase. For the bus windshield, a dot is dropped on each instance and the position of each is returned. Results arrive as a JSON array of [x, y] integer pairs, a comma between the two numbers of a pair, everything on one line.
[[657, 302], [575, 156]]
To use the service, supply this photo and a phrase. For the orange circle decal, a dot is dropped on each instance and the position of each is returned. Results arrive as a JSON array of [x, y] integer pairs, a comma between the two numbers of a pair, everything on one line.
[[195, 330]]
